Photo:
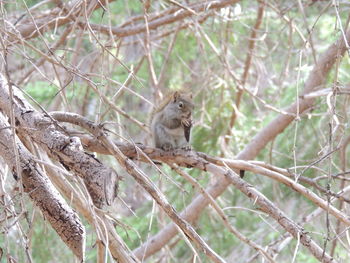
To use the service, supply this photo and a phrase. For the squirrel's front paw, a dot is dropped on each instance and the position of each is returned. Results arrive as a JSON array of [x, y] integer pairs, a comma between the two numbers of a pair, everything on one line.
[[187, 122], [187, 148]]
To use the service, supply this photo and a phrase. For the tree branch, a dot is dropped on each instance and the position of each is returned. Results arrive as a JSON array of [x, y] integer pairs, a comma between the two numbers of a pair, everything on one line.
[[100, 180], [143, 180], [62, 218], [261, 139], [168, 16]]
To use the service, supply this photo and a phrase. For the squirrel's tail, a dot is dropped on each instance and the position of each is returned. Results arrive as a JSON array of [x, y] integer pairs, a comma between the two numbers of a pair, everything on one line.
[[241, 173]]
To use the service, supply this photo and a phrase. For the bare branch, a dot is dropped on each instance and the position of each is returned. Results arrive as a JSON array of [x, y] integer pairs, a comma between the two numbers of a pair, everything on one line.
[[145, 182], [169, 16]]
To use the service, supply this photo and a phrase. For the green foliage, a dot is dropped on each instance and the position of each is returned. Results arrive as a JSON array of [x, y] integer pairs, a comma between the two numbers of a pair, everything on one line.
[[41, 91], [45, 237]]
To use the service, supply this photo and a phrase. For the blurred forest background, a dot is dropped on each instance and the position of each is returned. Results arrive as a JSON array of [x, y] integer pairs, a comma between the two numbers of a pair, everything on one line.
[[246, 63]]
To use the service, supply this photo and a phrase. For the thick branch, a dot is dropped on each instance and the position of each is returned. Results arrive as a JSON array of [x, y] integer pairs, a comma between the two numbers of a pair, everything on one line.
[[108, 234], [55, 209], [100, 180]]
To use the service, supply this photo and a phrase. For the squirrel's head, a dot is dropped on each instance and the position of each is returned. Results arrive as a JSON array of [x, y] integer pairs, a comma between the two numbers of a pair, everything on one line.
[[183, 103]]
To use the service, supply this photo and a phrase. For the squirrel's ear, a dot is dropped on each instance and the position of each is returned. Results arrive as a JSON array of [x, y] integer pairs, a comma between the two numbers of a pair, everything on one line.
[[176, 95]]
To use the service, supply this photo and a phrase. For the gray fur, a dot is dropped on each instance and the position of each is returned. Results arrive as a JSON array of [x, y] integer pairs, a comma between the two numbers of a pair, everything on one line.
[[167, 125]]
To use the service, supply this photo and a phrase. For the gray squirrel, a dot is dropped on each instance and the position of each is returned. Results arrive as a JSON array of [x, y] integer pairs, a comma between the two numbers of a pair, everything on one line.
[[171, 121]]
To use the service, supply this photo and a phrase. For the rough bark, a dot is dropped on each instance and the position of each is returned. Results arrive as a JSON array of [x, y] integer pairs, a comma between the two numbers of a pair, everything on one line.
[[38, 186], [106, 235], [100, 180]]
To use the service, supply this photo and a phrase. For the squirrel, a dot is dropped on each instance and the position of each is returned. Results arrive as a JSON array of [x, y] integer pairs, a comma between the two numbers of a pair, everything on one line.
[[171, 121]]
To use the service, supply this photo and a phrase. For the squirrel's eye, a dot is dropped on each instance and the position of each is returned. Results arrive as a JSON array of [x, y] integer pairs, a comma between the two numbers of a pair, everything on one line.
[[181, 104]]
